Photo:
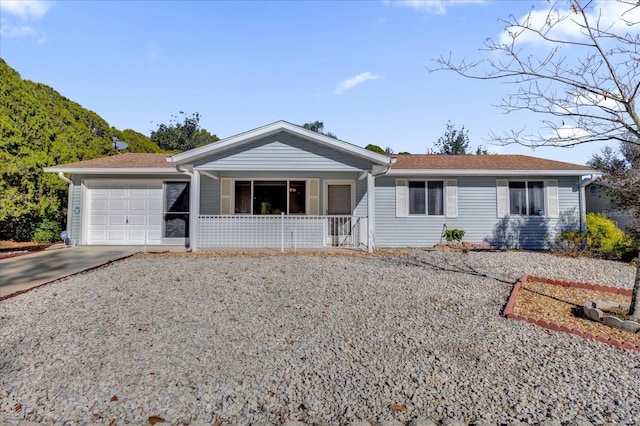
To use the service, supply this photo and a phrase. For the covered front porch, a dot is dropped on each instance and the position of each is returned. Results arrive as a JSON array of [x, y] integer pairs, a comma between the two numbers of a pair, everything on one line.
[[283, 232], [280, 186]]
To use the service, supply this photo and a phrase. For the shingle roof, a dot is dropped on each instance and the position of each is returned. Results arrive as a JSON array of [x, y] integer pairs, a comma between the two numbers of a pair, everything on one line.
[[480, 162], [122, 161], [403, 162]]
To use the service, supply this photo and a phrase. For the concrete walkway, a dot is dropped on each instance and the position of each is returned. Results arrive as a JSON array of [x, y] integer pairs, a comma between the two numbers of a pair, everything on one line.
[[21, 273]]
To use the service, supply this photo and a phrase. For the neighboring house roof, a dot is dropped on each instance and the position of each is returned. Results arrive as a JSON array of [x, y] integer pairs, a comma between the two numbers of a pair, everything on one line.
[[122, 163], [271, 129], [492, 164]]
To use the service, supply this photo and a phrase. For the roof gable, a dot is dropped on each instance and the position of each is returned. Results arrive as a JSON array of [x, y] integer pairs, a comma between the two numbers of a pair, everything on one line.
[[241, 139], [279, 152]]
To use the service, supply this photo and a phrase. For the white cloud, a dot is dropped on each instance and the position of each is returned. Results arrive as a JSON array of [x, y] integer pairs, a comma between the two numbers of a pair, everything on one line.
[[9, 30], [436, 7], [25, 9], [568, 134], [350, 83], [612, 14], [17, 14]]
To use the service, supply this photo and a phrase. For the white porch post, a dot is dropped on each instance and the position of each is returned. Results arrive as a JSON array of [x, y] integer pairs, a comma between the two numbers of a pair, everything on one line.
[[194, 210], [371, 213]]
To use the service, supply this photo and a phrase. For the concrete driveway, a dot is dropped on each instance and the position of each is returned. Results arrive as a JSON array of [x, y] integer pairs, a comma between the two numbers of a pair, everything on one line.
[[21, 273]]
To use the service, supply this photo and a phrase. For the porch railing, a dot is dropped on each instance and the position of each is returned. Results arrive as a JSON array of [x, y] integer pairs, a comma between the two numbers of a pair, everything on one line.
[[284, 231]]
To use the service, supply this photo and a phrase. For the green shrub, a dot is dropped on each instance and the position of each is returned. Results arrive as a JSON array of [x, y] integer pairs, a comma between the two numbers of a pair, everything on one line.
[[452, 235], [606, 239], [47, 232], [570, 243]]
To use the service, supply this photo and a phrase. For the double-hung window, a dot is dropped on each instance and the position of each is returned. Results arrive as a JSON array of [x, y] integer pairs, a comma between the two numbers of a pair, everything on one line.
[[426, 198], [526, 198]]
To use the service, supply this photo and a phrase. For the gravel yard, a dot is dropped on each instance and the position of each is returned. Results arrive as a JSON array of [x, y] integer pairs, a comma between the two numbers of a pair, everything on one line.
[[319, 339]]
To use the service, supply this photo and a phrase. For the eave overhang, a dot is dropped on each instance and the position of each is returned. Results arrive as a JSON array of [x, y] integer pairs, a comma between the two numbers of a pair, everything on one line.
[[475, 172], [112, 170]]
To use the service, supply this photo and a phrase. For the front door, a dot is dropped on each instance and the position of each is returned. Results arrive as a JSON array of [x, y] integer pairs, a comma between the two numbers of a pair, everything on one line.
[[339, 205]]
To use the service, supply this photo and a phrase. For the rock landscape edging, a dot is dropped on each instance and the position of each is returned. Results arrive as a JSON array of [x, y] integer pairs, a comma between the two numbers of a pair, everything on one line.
[[508, 310]]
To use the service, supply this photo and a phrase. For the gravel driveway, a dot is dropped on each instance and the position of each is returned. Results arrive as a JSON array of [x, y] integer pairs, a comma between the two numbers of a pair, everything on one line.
[[320, 339]]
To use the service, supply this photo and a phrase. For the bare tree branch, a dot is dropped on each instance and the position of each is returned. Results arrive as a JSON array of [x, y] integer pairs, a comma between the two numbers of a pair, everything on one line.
[[588, 81]]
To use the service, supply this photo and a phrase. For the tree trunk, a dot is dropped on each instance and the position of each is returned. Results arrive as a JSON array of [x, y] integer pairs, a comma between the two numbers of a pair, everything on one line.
[[634, 310]]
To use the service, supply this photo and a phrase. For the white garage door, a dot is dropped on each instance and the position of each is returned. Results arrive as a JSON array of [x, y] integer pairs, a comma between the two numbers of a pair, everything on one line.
[[124, 213]]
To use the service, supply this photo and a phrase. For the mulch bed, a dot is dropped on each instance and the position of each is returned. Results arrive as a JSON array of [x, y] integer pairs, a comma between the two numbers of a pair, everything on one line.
[[19, 249], [556, 304]]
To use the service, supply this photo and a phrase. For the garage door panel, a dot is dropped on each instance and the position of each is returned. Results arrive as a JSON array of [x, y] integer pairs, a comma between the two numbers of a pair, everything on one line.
[[138, 205], [117, 205], [116, 235], [98, 219], [155, 205], [97, 235], [117, 220], [100, 192], [99, 204], [119, 192], [137, 220], [137, 236]]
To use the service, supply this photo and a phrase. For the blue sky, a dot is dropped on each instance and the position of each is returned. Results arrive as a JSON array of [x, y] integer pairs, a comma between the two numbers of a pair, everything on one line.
[[358, 66]]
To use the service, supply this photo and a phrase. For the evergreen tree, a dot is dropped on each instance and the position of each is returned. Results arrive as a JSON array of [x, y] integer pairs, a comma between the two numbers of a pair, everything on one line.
[[182, 136], [454, 142]]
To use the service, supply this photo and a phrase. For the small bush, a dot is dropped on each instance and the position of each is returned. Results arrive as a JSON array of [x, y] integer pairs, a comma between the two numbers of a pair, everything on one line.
[[452, 235], [47, 232], [606, 239], [570, 243]]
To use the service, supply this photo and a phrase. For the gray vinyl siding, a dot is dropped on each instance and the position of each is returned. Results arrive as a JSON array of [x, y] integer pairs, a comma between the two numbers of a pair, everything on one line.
[[210, 188], [283, 152], [477, 216], [601, 202], [75, 226]]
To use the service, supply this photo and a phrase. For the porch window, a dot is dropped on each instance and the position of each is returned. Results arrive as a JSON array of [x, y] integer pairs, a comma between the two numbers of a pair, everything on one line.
[[426, 198], [526, 198], [297, 197], [270, 197], [243, 197], [176, 209]]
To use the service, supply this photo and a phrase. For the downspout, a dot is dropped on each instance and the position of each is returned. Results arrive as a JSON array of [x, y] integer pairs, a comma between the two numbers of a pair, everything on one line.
[[371, 187], [192, 200], [69, 183]]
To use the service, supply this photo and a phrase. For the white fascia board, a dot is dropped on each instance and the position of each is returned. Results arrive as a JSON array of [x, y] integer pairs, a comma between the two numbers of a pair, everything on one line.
[[109, 171], [270, 129], [458, 172], [258, 169]]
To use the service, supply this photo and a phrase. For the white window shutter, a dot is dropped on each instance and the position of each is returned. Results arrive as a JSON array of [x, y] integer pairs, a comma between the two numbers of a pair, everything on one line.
[[402, 197], [502, 192], [226, 186], [552, 207], [314, 196], [451, 196]]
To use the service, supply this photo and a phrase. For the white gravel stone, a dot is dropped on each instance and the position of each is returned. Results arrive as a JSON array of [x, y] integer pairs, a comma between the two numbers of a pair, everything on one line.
[[325, 340]]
